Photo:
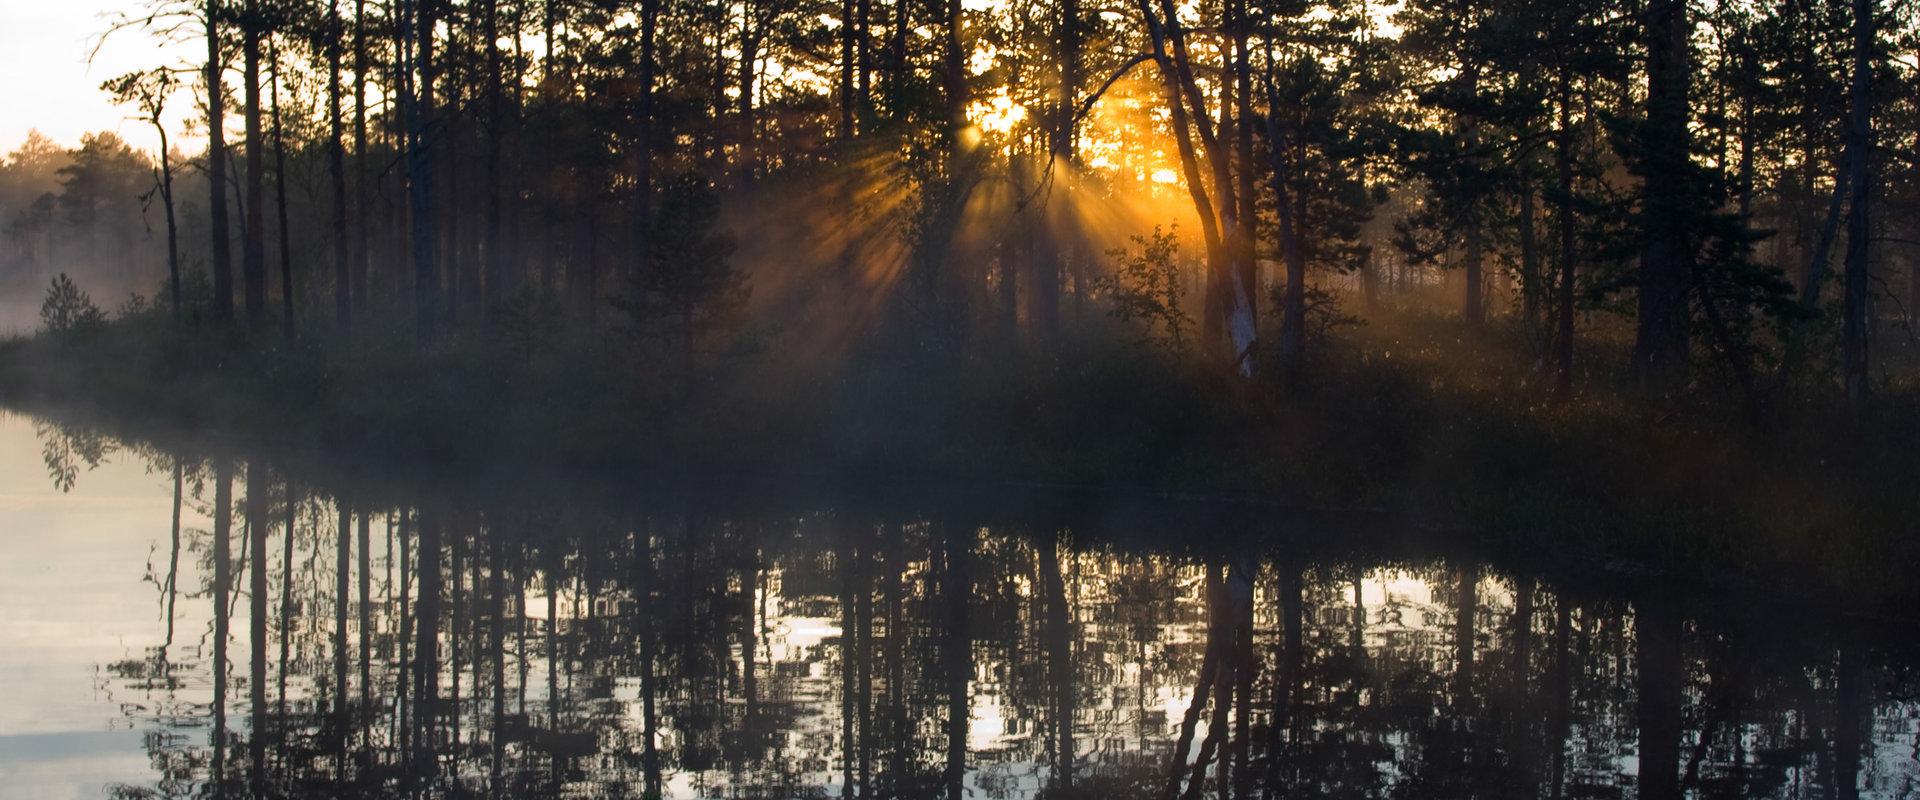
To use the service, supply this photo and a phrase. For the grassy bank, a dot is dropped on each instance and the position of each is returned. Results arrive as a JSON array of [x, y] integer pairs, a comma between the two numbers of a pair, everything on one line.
[[1419, 418]]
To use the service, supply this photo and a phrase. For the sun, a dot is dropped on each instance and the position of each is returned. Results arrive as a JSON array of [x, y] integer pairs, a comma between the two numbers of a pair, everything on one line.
[[997, 114]]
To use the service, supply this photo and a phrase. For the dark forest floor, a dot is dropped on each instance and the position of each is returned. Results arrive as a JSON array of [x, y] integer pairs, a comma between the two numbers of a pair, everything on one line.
[[1424, 419]]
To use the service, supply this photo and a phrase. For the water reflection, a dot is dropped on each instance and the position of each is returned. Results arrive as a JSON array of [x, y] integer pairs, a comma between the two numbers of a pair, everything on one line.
[[447, 644]]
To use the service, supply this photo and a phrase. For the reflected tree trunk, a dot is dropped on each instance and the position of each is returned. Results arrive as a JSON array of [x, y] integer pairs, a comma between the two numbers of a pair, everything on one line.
[[749, 635], [286, 602], [1059, 660], [1657, 631], [1467, 596], [1245, 666], [343, 571], [222, 589], [650, 754], [455, 630], [863, 651], [497, 648], [172, 587], [957, 653], [1560, 719], [257, 527], [1203, 683], [897, 725], [426, 669], [404, 688], [366, 613], [1853, 721], [1286, 684], [848, 556]]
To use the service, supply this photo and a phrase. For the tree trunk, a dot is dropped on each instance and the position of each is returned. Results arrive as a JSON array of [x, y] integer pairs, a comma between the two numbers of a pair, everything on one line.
[[1563, 220], [1854, 321], [1293, 313], [253, 265], [362, 176], [426, 275], [1474, 307], [217, 170], [173, 229], [643, 151], [337, 169], [492, 282], [280, 199], [1529, 262], [1667, 204]]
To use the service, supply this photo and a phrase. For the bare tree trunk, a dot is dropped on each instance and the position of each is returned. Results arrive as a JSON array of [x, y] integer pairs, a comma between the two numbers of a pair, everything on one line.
[[1293, 313], [253, 266], [1860, 136], [280, 198], [643, 151], [849, 31], [362, 176], [426, 273], [1169, 53], [337, 169], [217, 170], [1563, 220], [1529, 261], [1661, 345], [1474, 307], [173, 228], [493, 281]]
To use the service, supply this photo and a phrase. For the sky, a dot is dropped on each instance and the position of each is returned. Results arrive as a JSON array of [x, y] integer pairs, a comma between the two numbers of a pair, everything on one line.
[[47, 83]]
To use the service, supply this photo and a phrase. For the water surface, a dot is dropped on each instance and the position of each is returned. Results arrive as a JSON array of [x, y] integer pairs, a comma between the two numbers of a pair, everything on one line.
[[192, 622]]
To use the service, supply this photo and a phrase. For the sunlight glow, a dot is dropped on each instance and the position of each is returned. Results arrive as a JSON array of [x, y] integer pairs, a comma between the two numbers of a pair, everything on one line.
[[997, 114]]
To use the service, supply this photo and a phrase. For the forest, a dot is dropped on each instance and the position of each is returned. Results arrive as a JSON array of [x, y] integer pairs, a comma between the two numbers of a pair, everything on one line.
[[1644, 264], [1029, 399]]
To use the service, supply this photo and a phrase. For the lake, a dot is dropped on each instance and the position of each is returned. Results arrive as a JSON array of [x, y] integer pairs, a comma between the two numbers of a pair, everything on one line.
[[195, 620]]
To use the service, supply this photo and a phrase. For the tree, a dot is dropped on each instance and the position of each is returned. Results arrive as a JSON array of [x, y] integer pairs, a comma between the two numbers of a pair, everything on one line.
[[691, 289], [148, 91], [68, 310]]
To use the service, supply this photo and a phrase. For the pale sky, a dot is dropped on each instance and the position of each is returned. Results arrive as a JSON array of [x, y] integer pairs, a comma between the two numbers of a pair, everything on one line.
[[46, 82]]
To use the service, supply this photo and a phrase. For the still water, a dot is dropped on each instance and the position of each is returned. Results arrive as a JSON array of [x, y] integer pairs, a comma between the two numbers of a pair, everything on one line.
[[190, 622]]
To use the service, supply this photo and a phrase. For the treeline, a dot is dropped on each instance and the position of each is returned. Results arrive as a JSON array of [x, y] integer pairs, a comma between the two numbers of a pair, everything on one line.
[[1733, 184]]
